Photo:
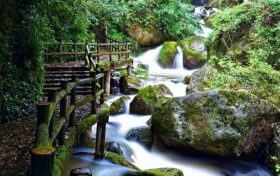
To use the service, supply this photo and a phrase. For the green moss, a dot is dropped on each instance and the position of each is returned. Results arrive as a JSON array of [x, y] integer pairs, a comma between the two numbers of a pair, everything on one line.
[[157, 172], [42, 136], [193, 58], [120, 160], [64, 152], [220, 4], [118, 106], [167, 54]]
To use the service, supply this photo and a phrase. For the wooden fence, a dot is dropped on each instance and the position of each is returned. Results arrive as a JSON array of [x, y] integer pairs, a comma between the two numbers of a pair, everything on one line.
[[51, 129], [112, 50]]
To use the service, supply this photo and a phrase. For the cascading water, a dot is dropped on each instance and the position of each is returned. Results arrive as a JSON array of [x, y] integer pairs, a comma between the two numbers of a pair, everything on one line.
[[178, 61], [158, 156]]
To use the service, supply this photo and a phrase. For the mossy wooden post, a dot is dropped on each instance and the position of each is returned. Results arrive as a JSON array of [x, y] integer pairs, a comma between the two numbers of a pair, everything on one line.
[[93, 92], [128, 70], [127, 54], [42, 161], [110, 48], [51, 98], [42, 137], [107, 75], [73, 102], [98, 52], [119, 56], [63, 112], [103, 118], [102, 84]]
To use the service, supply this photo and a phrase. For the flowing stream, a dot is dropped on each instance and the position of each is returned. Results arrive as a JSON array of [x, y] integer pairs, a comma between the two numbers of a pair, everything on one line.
[[158, 156]]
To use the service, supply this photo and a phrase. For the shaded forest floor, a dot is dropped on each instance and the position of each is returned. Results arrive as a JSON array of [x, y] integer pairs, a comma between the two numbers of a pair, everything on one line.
[[16, 143]]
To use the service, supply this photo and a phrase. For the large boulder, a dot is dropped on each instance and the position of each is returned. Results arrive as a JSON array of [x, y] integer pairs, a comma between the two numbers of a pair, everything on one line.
[[147, 98], [156, 172], [194, 52], [130, 85], [145, 37], [114, 147], [144, 135], [167, 54], [219, 122], [118, 106]]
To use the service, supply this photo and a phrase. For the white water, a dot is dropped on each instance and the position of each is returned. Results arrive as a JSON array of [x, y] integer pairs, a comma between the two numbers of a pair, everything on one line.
[[151, 58], [158, 156], [178, 61]]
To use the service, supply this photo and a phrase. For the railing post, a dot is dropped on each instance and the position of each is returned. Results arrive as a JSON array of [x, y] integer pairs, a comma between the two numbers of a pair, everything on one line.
[[93, 92], [111, 45], [107, 86], [63, 108], [118, 52], [102, 84], [103, 118], [51, 98], [60, 50], [98, 51], [75, 50], [128, 68], [42, 157], [73, 102], [42, 161], [127, 49]]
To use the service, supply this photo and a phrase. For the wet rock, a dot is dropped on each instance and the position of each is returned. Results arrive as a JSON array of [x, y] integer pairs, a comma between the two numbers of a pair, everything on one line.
[[218, 122], [194, 52], [147, 98], [156, 172], [81, 172], [175, 81], [197, 80], [114, 147], [143, 66], [187, 79], [119, 160], [167, 54], [201, 12], [118, 106], [130, 85], [144, 135], [114, 83], [145, 37]]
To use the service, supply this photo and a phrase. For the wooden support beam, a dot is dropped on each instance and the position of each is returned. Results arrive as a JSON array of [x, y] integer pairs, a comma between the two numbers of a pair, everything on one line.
[[51, 98], [93, 92], [63, 114], [103, 118], [73, 102], [107, 82]]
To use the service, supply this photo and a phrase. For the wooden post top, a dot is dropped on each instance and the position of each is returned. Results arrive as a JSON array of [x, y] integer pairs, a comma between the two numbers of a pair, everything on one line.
[[43, 150]]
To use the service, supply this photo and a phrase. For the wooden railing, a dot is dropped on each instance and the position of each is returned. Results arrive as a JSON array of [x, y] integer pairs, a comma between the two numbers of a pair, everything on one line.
[[112, 50], [50, 128]]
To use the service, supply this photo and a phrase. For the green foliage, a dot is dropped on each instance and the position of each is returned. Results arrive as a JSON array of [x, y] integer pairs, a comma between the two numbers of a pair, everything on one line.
[[141, 73], [172, 17]]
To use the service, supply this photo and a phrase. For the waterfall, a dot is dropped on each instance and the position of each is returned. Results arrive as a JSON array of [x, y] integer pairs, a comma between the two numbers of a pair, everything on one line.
[[178, 61]]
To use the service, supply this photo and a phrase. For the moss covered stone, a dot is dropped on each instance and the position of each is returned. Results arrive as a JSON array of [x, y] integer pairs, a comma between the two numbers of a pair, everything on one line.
[[218, 122], [119, 160], [157, 172], [194, 52], [130, 84], [145, 37], [147, 98], [167, 54], [118, 106]]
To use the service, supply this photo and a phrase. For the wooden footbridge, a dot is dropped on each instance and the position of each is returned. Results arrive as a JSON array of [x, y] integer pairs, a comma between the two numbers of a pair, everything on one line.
[[57, 127]]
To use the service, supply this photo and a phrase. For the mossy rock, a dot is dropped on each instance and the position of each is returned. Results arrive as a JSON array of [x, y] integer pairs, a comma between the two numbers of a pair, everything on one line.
[[119, 160], [217, 122], [167, 54], [118, 106], [144, 135], [157, 172], [199, 79], [194, 52], [130, 84], [187, 79], [146, 37], [147, 98]]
